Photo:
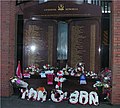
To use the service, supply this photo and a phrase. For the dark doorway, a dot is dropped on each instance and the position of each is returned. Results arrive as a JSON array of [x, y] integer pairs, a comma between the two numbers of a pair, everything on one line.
[[105, 37]]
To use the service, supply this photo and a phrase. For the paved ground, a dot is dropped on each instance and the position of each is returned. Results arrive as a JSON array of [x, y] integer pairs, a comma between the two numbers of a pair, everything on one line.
[[15, 102]]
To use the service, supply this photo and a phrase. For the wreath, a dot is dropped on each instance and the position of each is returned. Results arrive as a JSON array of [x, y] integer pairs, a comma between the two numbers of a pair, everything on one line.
[[74, 97], [57, 95], [32, 69]]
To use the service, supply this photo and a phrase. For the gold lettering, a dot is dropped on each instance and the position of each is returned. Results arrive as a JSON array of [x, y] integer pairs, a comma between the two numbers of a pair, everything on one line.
[[49, 9], [71, 9]]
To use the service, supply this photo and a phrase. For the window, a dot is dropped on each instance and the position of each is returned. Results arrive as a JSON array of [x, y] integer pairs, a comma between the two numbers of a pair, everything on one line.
[[62, 41]]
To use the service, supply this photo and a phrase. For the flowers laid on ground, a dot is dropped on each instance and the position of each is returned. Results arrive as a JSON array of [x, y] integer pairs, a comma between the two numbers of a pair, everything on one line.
[[105, 76], [47, 67], [31, 70], [71, 71], [56, 75], [103, 86], [91, 74], [59, 79], [17, 82], [78, 70], [74, 71]]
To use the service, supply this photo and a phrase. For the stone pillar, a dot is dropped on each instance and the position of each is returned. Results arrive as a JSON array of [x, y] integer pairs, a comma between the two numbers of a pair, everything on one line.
[[115, 99], [7, 45]]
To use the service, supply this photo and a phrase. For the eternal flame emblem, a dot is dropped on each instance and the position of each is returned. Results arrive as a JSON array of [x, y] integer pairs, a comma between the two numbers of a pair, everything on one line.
[[61, 7]]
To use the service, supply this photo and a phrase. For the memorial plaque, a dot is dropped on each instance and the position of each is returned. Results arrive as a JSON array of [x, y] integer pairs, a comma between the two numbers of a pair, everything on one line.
[[38, 42], [84, 43], [83, 23]]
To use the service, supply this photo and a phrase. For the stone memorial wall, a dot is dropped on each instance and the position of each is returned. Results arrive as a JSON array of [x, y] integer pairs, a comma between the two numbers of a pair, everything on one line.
[[38, 42], [85, 43]]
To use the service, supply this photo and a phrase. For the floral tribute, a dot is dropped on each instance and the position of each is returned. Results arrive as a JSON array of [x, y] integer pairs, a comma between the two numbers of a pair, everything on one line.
[[57, 95], [59, 79], [39, 94], [48, 67], [104, 85], [78, 70], [74, 71], [31, 70], [75, 97], [17, 82], [56, 76]]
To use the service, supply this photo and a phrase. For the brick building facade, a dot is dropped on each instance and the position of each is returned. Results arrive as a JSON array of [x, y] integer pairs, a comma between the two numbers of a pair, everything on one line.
[[9, 10], [7, 45], [115, 52]]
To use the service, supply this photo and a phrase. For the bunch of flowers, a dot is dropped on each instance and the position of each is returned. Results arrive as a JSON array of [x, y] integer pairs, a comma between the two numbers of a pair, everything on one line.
[[48, 67], [17, 82], [32, 69], [106, 75], [91, 74]]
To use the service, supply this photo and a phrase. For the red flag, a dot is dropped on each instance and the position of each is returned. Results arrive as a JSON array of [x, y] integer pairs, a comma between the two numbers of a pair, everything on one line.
[[18, 71]]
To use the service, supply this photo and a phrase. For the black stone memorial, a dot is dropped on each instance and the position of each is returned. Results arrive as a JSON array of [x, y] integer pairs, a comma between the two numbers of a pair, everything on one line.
[[83, 34]]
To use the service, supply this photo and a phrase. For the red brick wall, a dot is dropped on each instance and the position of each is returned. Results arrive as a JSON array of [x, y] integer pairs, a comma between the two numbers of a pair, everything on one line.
[[0, 49], [8, 13], [7, 48], [7, 45], [115, 52]]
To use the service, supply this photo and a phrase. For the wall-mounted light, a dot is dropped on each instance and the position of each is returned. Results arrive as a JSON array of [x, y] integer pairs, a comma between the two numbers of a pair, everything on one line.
[[99, 49], [34, 18], [32, 48]]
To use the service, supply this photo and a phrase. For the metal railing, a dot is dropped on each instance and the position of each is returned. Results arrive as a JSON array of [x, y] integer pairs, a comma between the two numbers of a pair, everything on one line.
[[105, 4]]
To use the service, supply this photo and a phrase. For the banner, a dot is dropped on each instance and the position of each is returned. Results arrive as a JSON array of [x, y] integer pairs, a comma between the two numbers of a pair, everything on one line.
[[18, 71]]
